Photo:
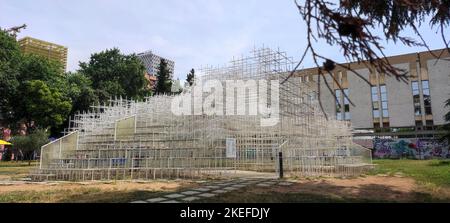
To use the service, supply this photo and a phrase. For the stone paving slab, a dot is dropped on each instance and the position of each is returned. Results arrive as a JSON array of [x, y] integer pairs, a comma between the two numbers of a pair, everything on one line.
[[270, 183], [175, 196], [203, 189], [213, 188], [285, 184], [207, 195], [247, 183], [190, 192], [171, 201], [255, 181], [224, 184], [158, 199], [230, 188], [189, 199]]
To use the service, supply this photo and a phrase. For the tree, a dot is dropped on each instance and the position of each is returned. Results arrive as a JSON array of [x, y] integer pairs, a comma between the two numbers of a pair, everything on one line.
[[35, 67], [115, 74], [17, 71], [80, 91], [190, 77], [41, 84], [164, 83], [31, 143], [9, 71], [352, 23], [45, 105]]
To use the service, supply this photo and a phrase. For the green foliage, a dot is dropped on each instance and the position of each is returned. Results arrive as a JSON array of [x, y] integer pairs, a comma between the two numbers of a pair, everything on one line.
[[19, 72], [115, 74], [191, 77], [9, 71], [80, 91], [30, 143], [47, 107], [34, 67], [425, 171], [33, 88], [164, 83]]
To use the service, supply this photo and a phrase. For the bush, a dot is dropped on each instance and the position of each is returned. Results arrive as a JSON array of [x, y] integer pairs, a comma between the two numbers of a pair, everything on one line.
[[30, 143]]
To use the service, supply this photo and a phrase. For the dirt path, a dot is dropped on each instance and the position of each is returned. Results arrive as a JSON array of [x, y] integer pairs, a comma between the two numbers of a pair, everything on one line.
[[370, 188]]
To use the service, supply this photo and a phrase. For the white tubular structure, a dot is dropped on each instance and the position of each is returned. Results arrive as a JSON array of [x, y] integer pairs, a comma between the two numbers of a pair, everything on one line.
[[125, 139]]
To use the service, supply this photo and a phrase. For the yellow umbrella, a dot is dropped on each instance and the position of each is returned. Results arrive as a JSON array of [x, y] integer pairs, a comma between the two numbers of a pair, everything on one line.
[[4, 142]]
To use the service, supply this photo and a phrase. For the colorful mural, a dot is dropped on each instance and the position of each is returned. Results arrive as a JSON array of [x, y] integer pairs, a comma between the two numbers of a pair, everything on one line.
[[410, 148]]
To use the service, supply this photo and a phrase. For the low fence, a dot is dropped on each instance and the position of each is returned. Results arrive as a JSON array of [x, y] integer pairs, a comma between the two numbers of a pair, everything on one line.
[[59, 149]]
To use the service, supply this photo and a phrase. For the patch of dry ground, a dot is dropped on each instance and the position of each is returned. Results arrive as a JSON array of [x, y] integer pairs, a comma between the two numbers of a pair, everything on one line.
[[120, 191], [379, 188], [369, 187], [147, 186]]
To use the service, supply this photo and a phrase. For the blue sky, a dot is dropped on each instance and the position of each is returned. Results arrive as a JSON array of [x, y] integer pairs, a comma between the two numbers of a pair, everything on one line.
[[192, 33]]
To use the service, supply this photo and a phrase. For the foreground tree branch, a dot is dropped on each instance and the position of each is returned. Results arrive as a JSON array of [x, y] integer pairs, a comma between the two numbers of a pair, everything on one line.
[[351, 25]]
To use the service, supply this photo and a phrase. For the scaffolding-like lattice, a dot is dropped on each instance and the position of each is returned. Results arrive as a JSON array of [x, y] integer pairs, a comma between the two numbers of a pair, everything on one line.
[[146, 140]]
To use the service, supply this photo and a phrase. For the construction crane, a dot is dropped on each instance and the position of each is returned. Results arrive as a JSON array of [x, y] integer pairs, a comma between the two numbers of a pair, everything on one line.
[[16, 29]]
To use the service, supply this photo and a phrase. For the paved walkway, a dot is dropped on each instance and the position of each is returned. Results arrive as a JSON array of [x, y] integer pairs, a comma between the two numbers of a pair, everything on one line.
[[212, 189]]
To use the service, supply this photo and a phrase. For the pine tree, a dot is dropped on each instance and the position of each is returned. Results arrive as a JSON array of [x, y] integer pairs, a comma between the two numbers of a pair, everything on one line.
[[163, 84], [190, 77]]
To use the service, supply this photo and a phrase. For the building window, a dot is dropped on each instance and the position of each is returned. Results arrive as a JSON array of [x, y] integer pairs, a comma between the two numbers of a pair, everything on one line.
[[384, 101], [376, 125], [429, 125], [419, 125], [347, 115], [416, 98], [338, 105], [375, 103], [426, 97]]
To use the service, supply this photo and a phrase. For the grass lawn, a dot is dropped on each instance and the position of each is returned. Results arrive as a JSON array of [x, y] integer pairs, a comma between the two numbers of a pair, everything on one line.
[[390, 181], [15, 170], [70, 192], [435, 172], [79, 194]]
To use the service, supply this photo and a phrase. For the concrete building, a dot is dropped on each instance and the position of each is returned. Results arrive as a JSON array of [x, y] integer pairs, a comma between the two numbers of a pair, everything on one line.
[[46, 49], [389, 107], [151, 62]]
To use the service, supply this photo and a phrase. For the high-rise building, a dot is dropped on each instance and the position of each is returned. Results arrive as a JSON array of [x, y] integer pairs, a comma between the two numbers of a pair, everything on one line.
[[46, 49], [151, 62]]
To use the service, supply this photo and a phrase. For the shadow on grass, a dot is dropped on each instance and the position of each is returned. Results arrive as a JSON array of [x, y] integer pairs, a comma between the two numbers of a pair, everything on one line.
[[113, 196], [440, 163], [323, 192], [88, 195]]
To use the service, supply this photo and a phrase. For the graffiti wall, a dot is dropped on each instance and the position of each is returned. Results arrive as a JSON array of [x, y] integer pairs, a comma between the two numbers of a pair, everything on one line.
[[410, 148]]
